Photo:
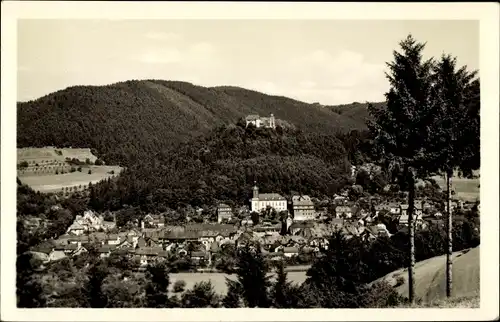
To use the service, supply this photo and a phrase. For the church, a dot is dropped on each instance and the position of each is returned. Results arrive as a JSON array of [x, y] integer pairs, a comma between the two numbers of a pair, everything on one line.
[[261, 201]]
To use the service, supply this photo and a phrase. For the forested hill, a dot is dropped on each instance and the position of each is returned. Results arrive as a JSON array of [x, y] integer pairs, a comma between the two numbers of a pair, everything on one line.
[[135, 120], [223, 165]]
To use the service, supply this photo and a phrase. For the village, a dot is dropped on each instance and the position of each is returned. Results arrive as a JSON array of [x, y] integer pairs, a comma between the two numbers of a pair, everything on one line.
[[302, 228]]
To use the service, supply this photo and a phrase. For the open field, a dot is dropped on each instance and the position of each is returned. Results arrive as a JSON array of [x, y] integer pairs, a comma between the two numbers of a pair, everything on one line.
[[49, 154], [465, 189], [55, 183], [219, 279], [430, 277]]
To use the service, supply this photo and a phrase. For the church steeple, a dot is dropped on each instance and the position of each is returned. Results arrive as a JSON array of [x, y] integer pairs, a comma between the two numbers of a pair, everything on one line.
[[255, 190]]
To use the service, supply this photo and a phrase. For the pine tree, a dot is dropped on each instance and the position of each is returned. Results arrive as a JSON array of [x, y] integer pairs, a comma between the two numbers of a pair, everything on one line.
[[456, 131], [280, 287], [403, 128], [202, 295], [95, 296], [157, 287], [232, 298], [252, 277]]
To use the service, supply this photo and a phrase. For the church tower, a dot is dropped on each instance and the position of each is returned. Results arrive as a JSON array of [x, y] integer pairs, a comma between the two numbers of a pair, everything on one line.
[[255, 199]]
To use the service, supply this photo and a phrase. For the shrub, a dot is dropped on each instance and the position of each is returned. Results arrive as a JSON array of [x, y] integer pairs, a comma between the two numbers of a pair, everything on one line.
[[400, 280], [179, 286], [90, 171]]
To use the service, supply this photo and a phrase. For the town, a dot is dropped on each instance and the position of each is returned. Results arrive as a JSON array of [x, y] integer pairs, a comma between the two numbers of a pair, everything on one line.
[[299, 226]]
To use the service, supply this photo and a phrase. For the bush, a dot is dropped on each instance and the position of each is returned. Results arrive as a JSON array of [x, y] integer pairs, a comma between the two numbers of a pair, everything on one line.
[[400, 280], [23, 165], [179, 286], [98, 162], [72, 170], [90, 171], [79, 169]]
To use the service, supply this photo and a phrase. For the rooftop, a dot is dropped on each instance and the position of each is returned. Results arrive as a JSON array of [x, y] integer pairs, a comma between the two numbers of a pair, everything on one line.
[[271, 196]]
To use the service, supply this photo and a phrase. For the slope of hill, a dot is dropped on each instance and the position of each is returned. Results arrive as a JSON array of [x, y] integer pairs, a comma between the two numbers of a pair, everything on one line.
[[134, 120], [355, 111], [430, 277]]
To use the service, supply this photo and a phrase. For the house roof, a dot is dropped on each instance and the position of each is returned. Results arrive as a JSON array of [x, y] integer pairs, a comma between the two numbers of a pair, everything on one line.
[[223, 205], [71, 247], [75, 226], [301, 225], [252, 117], [80, 238], [199, 254], [290, 250], [148, 251], [106, 248], [44, 247], [271, 196]]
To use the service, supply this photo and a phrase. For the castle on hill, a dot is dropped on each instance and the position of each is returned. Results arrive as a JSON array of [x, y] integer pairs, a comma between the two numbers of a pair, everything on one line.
[[257, 121]]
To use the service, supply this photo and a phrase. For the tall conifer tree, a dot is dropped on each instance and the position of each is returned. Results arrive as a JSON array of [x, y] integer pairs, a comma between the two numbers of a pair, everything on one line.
[[402, 128]]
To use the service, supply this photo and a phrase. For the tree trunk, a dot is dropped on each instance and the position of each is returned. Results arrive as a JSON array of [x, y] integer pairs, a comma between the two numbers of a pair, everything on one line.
[[449, 236], [411, 227]]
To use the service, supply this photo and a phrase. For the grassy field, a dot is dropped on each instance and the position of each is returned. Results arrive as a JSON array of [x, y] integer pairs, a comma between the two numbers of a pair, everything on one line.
[[469, 302], [465, 189], [49, 154], [54, 183], [430, 277], [219, 279]]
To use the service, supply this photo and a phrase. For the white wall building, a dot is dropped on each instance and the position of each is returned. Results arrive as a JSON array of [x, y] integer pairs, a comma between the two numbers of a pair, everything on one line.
[[263, 200]]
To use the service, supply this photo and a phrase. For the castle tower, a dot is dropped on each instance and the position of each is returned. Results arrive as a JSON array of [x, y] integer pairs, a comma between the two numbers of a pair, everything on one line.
[[271, 121]]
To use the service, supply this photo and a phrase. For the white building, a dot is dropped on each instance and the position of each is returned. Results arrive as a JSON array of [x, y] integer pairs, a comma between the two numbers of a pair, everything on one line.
[[257, 121], [263, 200], [303, 208]]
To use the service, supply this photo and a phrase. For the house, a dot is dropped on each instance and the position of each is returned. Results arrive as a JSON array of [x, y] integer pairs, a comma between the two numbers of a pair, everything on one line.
[[153, 221], [343, 212], [382, 230], [108, 225], [76, 229], [257, 121], [297, 227], [147, 255], [224, 213], [105, 250], [199, 256], [303, 208], [337, 223], [57, 253], [42, 251], [261, 201], [112, 239], [369, 234], [403, 219], [78, 240], [350, 230], [290, 251]]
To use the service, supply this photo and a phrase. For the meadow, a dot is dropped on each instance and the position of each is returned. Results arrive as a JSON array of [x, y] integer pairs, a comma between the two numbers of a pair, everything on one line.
[[56, 182], [465, 189], [219, 279]]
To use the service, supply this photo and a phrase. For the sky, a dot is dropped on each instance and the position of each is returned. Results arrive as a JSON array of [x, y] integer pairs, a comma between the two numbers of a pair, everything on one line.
[[325, 61]]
